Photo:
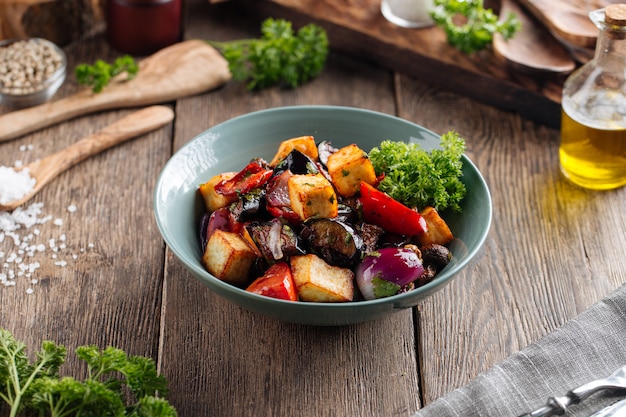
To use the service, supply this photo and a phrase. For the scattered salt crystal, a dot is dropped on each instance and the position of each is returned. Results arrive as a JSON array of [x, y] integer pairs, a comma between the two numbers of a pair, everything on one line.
[[72, 208], [14, 184], [23, 228]]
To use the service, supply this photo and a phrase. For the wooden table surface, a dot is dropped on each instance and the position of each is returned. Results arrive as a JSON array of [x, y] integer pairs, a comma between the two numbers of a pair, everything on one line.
[[552, 251]]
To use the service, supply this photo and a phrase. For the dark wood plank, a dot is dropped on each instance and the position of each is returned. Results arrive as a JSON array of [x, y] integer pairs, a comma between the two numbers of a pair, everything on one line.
[[252, 365], [110, 294], [553, 249]]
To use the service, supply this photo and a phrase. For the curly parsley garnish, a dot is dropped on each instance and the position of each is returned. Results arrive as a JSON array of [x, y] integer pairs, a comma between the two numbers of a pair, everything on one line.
[[98, 75], [418, 178], [469, 26], [279, 56]]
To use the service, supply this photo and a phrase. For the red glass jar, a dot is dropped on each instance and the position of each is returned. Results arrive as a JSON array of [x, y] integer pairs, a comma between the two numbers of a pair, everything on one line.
[[141, 27]]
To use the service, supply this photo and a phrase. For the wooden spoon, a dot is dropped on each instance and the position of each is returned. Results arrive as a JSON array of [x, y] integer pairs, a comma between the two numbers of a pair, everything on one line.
[[533, 48], [180, 70], [137, 123], [568, 20]]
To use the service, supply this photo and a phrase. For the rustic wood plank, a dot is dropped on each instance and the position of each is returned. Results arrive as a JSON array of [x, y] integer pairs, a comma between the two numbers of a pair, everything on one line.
[[110, 294], [357, 27], [258, 366], [552, 251]]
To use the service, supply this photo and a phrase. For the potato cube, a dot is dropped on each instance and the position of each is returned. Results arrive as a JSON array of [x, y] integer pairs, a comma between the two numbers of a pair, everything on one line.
[[437, 229], [312, 195], [229, 257], [320, 282], [212, 199], [348, 167], [305, 144]]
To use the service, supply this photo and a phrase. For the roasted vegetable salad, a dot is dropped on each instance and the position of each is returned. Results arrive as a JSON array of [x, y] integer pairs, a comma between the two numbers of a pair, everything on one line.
[[312, 224]]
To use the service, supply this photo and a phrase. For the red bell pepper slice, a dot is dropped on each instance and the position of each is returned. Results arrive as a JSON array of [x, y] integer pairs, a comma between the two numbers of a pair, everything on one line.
[[382, 210], [251, 177], [277, 282]]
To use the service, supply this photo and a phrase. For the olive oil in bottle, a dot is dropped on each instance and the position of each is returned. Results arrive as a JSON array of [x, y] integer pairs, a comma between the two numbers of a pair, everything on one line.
[[592, 153], [592, 156]]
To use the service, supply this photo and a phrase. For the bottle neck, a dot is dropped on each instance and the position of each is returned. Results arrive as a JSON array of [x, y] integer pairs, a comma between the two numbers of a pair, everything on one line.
[[610, 45]]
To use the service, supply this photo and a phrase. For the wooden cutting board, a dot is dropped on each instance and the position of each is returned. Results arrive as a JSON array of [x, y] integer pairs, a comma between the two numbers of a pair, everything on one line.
[[357, 27]]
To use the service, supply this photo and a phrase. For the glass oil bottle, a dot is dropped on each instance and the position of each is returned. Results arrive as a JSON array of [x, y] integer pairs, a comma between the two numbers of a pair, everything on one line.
[[592, 152]]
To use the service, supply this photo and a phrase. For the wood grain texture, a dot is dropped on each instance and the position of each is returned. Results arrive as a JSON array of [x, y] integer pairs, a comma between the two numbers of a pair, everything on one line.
[[110, 294], [255, 365], [550, 253]]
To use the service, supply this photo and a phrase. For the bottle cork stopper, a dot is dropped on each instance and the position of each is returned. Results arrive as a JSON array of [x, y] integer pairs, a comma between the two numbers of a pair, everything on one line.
[[615, 14]]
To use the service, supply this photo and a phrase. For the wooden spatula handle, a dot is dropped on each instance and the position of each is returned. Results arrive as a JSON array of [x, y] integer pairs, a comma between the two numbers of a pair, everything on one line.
[[131, 126], [20, 122]]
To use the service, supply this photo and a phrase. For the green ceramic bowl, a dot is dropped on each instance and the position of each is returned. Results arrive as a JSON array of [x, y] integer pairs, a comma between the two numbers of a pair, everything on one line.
[[231, 144]]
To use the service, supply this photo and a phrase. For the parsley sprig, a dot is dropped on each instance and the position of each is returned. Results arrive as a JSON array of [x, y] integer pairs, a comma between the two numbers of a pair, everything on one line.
[[99, 74], [469, 26], [117, 384], [419, 178], [280, 56]]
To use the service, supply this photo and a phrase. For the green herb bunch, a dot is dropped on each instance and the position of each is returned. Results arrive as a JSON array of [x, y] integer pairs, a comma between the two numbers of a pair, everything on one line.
[[279, 56], [419, 178], [98, 75], [469, 26], [117, 385]]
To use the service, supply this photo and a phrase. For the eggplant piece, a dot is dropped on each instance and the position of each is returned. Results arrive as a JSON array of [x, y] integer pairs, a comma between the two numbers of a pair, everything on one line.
[[203, 226], [334, 241], [249, 205], [276, 241], [324, 150], [298, 163], [370, 233]]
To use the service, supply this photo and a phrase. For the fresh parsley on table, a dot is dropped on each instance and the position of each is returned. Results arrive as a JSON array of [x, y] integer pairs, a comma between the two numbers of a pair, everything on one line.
[[280, 56], [469, 26], [117, 384]]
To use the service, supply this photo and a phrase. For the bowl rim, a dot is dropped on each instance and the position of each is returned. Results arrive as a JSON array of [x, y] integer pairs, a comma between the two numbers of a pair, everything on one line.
[[396, 300]]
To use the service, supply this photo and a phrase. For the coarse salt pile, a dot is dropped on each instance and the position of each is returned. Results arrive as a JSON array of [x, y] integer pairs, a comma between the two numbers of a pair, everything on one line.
[[14, 184], [25, 239], [27, 245]]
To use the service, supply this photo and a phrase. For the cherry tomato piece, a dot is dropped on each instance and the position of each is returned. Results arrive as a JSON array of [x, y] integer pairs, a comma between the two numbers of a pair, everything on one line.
[[277, 282]]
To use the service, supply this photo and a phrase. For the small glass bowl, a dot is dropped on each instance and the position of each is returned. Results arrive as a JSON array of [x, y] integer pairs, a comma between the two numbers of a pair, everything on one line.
[[20, 97]]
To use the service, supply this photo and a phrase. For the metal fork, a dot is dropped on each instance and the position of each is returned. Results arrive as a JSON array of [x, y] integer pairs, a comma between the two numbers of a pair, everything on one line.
[[557, 406]]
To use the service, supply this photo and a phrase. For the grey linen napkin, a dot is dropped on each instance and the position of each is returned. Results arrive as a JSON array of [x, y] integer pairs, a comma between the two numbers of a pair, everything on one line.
[[589, 347]]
